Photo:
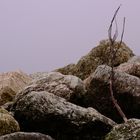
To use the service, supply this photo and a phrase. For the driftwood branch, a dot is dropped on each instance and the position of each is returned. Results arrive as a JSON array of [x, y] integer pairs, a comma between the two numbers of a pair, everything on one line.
[[113, 51]]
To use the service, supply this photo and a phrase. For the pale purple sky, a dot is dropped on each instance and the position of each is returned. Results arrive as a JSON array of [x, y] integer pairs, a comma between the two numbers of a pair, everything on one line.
[[41, 35]]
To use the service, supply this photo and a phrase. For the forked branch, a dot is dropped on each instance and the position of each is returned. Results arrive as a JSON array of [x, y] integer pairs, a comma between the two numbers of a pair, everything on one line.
[[113, 51]]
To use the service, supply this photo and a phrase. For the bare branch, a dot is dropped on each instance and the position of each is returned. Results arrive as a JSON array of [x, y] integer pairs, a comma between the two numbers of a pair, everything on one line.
[[113, 52], [122, 31], [110, 27]]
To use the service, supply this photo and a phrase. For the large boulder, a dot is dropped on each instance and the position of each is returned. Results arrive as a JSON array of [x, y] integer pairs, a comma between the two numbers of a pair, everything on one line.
[[25, 136], [66, 86], [7, 123], [16, 80], [11, 83], [131, 67], [126, 91], [98, 56], [47, 113], [126, 131]]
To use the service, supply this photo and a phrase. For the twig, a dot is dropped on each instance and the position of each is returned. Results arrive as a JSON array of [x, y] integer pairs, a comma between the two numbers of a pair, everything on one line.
[[113, 52]]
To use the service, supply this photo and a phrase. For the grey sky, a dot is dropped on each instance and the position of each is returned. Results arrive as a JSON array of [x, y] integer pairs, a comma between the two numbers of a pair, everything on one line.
[[41, 35]]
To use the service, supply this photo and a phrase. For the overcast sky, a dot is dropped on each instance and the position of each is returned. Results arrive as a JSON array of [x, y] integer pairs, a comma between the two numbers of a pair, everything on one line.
[[41, 35]]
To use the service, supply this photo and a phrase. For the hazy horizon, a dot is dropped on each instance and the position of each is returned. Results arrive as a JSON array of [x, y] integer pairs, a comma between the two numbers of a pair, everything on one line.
[[42, 35]]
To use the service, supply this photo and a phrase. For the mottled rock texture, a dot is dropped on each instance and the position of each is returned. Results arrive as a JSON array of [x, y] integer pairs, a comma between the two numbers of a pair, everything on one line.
[[6, 95], [126, 90], [67, 86], [47, 113], [11, 83], [7, 123], [67, 70], [97, 56], [131, 67], [25, 136], [127, 131]]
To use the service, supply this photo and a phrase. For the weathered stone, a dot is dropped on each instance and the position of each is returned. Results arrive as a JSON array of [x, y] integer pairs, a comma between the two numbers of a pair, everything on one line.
[[127, 131], [47, 113], [101, 55], [131, 67], [97, 56], [67, 70], [126, 91], [134, 59], [6, 95], [14, 80], [7, 123], [38, 75], [25, 136], [7, 106], [66, 86]]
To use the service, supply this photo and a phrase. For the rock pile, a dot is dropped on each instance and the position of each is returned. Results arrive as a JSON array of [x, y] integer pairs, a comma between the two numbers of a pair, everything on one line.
[[55, 106]]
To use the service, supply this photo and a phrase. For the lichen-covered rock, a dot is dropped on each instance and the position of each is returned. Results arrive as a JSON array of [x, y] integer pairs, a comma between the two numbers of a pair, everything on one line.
[[127, 131], [66, 86], [131, 67], [67, 70], [15, 81], [97, 56], [25, 136], [6, 95], [134, 59], [7, 123], [38, 75], [47, 113], [100, 55], [126, 91]]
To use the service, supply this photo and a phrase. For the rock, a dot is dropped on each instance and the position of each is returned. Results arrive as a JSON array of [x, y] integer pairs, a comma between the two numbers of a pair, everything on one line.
[[47, 113], [134, 59], [127, 131], [15, 80], [98, 56], [7, 123], [126, 91], [6, 95], [67, 70], [38, 75], [131, 67], [25, 136], [66, 86], [7, 106]]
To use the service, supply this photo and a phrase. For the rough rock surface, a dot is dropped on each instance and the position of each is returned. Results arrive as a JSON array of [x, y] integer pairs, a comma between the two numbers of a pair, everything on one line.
[[127, 131], [7, 123], [66, 86], [67, 70], [134, 59], [38, 75], [131, 67], [25, 136], [14, 80], [6, 95], [98, 56], [47, 113], [126, 91]]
